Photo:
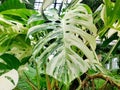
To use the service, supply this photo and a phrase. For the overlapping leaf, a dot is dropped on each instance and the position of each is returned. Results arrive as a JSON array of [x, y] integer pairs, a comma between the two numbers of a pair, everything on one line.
[[11, 4], [111, 18], [13, 29], [110, 15], [11, 32]]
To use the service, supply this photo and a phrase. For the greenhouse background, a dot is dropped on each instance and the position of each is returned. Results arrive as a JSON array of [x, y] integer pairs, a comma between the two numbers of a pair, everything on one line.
[[56, 4]]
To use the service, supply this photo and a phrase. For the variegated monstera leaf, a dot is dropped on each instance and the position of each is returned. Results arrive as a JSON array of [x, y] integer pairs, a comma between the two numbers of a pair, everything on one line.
[[66, 50]]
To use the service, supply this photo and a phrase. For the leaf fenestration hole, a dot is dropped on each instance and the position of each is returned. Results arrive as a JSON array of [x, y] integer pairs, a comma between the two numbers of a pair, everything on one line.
[[10, 79]]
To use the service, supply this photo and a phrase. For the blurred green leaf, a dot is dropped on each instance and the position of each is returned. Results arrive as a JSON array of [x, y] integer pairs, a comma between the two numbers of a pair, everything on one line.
[[11, 61], [3, 66], [11, 4], [18, 14]]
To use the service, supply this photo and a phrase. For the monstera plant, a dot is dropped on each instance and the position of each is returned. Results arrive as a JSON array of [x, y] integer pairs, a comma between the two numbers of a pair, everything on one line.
[[70, 39], [64, 45], [65, 42]]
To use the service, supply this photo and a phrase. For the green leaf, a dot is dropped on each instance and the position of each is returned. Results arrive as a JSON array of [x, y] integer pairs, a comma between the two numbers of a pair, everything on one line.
[[25, 60], [3, 66], [107, 11], [13, 31], [13, 26], [18, 14], [110, 16], [11, 61], [11, 4]]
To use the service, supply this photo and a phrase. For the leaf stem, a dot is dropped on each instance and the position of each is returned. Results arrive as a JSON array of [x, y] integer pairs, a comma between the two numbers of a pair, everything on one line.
[[102, 32], [79, 80], [104, 77], [48, 82], [37, 75], [106, 59], [30, 83]]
